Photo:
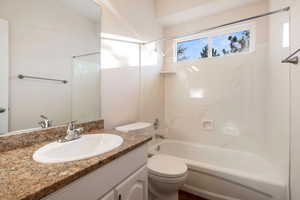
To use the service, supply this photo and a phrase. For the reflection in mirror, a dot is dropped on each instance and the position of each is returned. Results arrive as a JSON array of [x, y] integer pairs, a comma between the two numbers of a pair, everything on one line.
[[48, 39], [4, 76], [86, 87]]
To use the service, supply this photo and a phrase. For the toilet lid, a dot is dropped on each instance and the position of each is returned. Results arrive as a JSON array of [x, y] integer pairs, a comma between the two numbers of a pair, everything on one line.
[[133, 127], [166, 166]]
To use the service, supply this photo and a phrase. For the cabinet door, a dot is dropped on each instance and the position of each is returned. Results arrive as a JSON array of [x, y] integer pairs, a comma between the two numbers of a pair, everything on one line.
[[109, 196], [135, 187]]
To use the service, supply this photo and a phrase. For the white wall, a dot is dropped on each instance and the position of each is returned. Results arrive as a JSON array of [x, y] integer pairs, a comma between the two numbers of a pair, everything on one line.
[[44, 35], [295, 109], [278, 90], [120, 83], [233, 89], [152, 88], [130, 93]]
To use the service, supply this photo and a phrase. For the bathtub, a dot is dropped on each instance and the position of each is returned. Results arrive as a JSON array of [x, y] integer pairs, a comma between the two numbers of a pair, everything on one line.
[[222, 174]]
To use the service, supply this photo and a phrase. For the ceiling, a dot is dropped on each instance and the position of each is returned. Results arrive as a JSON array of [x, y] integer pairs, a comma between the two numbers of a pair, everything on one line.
[[86, 8], [171, 12]]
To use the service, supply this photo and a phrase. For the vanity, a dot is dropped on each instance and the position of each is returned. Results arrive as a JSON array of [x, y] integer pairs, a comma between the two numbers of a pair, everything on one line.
[[125, 178], [117, 174]]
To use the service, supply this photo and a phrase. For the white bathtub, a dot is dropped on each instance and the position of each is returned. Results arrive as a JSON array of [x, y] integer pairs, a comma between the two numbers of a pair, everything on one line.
[[222, 174]]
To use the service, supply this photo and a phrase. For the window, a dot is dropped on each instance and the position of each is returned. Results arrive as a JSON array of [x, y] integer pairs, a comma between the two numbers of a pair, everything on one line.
[[231, 43], [286, 35], [214, 45], [192, 49]]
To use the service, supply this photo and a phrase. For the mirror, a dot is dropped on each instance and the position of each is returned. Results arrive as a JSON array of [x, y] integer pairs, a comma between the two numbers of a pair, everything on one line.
[[49, 62]]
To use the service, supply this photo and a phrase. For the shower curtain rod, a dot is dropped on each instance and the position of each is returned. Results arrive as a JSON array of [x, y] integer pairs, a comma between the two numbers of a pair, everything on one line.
[[223, 25], [87, 54], [104, 38]]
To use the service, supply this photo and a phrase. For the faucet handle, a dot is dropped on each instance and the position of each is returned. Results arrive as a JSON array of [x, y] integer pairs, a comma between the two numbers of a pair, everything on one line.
[[44, 117], [79, 130], [45, 123], [72, 125]]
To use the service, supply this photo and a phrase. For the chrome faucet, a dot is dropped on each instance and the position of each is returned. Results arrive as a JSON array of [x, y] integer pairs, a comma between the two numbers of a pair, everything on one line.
[[45, 123], [72, 133], [156, 124]]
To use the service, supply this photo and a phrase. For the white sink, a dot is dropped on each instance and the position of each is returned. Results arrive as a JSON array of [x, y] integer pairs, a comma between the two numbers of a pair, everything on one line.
[[85, 147]]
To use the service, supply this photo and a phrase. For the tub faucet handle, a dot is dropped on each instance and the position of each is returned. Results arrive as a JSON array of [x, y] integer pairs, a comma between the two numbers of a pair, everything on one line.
[[160, 136], [156, 124]]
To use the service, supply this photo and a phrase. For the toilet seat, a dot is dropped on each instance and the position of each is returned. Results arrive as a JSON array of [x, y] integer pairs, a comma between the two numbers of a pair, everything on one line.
[[166, 167], [168, 179]]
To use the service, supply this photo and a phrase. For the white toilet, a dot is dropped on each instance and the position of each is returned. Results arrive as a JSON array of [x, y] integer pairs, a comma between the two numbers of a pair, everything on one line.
[[138, 127], [166, 173]]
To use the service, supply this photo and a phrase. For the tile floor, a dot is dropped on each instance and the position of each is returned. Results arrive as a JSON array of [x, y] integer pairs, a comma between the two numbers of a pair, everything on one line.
[[187, 196]]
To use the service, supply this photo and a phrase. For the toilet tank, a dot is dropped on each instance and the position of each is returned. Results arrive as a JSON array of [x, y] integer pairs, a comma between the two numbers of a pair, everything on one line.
[[138, 127]]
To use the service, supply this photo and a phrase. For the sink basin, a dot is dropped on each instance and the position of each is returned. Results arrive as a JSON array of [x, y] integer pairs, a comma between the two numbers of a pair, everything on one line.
[[85, 147]]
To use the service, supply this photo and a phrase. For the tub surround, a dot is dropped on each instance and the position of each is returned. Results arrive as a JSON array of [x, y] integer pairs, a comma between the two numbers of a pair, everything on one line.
[[24, 179]]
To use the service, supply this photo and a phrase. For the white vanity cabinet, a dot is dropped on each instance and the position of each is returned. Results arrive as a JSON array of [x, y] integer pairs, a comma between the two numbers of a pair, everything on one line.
[[135, 187], [110, 196], [124, 178]]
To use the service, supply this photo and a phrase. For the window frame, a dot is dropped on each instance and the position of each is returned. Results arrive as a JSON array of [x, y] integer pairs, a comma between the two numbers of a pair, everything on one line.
[[187, 40], [211, 34]]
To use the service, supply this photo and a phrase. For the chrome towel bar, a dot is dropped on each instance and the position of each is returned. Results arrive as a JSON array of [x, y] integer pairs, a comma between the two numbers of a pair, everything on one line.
[[2, 110], [292, 58], [21, 76]]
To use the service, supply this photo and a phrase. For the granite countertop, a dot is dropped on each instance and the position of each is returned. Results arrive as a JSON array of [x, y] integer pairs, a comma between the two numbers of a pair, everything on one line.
[[21, 178]]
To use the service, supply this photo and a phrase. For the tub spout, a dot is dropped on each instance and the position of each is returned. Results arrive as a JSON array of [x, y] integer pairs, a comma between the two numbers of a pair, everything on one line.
[[159, 136]]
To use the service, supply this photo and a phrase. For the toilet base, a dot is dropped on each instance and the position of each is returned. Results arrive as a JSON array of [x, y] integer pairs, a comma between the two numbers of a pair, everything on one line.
[[165, 188], [164, 185]]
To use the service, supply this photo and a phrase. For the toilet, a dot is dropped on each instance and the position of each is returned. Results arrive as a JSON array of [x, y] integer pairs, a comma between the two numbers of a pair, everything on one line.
[[138, 127], [166, 173]]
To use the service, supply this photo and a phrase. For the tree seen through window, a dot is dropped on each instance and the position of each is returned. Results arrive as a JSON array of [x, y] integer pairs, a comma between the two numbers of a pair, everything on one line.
[[221, 45], [231, 43]]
